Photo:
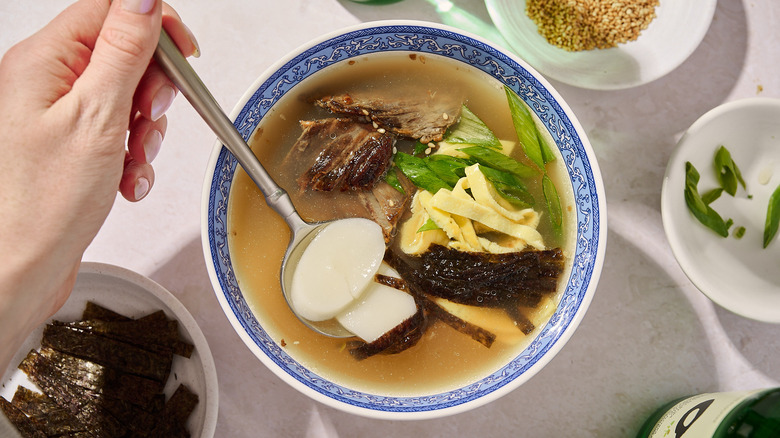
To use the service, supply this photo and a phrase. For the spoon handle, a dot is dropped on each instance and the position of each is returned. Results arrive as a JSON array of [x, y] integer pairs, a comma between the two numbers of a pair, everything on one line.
[[173, 63]]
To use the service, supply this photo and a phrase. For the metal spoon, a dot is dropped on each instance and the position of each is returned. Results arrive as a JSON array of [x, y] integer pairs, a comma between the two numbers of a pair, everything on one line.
[[173, 63]]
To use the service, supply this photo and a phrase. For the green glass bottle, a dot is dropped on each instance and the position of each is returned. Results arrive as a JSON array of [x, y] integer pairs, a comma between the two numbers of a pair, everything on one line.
[[748, 414]]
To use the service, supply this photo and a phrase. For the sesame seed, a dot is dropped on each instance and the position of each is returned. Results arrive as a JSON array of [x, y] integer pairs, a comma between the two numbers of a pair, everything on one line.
[[445, 116], [428, 151], [576, 25], [375, 125], [381, 130], [365, 112]]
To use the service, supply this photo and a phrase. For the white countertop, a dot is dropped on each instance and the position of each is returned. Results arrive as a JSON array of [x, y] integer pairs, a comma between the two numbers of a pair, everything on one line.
[[649, 335]]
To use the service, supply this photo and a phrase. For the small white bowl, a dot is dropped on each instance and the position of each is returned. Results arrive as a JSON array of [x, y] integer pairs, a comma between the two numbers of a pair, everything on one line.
[[429, 40], [134, 295], [737, 274], [671, 37]]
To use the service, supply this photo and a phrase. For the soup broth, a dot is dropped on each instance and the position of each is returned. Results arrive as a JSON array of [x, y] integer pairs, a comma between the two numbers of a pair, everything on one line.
[[443, 359]]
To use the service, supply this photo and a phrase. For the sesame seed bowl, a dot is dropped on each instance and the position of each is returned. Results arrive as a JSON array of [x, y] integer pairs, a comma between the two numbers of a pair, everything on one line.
[[668, 40], [322, 368]]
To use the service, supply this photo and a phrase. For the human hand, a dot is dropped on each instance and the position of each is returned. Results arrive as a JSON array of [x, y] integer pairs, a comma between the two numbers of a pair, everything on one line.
[[69, 96]]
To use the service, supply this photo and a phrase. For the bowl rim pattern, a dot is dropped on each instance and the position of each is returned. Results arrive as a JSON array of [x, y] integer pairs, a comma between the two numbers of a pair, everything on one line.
[[429, 39]]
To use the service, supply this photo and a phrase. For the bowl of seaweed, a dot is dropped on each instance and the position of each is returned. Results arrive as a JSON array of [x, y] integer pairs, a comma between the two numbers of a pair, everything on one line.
[[487, 194]]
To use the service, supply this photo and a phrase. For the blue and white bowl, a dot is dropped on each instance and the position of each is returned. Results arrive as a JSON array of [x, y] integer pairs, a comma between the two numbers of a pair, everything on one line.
[[428, 39]]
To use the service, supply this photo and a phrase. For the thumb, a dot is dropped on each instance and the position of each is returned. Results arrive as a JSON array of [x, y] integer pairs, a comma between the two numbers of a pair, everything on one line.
[[123, 50]]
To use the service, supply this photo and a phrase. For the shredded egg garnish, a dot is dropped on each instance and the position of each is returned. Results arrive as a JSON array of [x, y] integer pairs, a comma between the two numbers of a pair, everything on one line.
[[470, 217]]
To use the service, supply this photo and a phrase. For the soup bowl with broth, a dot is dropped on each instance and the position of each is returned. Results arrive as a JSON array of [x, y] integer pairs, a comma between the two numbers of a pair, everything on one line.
[[455, 359]]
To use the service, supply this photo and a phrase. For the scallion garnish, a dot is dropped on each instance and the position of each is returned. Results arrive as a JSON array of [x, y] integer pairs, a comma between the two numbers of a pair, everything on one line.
[[428, 225], [530, 138], [727, 171], [471, 130], [700, 209], [772, 217]]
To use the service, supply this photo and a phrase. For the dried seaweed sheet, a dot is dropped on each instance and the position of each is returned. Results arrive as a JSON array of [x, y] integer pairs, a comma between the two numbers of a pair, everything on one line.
[[175, 414], [481, 279], [114, 415], [154, 333], [47, 416], [109, 352], [94, 311], [23, 424], [400, 338], [95, 377], [104, 377], [31, 402], [84, 405], [521, 320], [484, 337]]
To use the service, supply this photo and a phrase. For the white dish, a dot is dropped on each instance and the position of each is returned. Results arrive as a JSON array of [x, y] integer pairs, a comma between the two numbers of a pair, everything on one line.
[[134, 295], [737, 274], [671, 37]]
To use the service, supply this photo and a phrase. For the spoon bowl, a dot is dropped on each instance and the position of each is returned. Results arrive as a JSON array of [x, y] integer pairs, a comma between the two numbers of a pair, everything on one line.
[[189, 83]]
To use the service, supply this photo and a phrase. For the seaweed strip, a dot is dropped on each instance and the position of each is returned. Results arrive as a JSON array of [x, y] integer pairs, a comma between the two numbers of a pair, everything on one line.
[[104, 377], [394, 282], [109, 352], [152, 334], [483, 336], [46, 415], [477, 333], [95, 311], [400, 338], [23, 424], [104, 380], [521, 320], [31, 402], [481, 279], [112, 412], [175, 414], [82, 404]]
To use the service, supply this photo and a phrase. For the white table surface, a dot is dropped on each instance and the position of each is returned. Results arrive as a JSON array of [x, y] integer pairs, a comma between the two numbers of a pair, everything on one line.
[[649, 335]]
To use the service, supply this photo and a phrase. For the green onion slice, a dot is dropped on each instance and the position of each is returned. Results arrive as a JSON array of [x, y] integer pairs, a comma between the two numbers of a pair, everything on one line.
[[471, 130], [497, 160], [428, 225], [392, 179], [419, 173], [701, 211], [772, 217], [553, 203], [727, 171]]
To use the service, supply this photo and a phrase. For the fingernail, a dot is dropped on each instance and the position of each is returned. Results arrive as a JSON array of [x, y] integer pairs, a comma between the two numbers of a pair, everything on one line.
[[152, 143], [141, 188], [138, 6], [162, 101], [196, 53]]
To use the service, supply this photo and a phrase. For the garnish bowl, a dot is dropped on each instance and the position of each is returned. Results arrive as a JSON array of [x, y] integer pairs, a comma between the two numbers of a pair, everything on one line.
[[430, 40], [738, 274]]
